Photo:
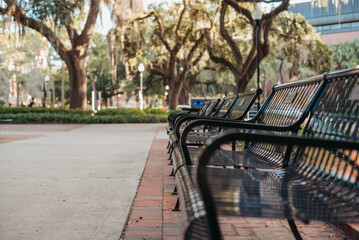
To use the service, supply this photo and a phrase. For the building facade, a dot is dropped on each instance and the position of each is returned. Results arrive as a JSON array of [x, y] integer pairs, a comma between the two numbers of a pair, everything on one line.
[[335, 23]]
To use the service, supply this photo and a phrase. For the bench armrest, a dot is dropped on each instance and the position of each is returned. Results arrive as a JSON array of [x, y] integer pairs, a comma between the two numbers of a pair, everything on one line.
[[181, 119], [225, 123], [267, 137]]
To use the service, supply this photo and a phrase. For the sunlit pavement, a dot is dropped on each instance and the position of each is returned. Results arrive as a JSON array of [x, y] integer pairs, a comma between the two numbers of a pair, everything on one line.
[[70, 181]]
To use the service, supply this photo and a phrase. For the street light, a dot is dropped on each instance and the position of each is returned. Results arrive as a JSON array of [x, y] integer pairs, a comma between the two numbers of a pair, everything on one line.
[[47, 79], [141, 68], [257, 16]]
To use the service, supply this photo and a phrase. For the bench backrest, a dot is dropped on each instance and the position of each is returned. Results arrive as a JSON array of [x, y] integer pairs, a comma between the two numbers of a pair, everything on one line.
[[225, 106], [204, 107], [287, 105], [212, 105], [336, 117], [243, 104]]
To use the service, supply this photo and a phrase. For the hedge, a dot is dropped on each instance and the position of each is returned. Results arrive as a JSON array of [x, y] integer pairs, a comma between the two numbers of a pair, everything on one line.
[[52, 115]]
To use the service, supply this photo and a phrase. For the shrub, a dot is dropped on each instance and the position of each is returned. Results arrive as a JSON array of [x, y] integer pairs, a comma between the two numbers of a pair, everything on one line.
[[52, 115]]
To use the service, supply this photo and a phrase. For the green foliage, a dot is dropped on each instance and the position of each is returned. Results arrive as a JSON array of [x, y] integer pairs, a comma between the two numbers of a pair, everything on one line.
[[295, 49], [154, 111], [346, 55], [50, 115], [100, 67], [173, 45], [60, 10], [36, 110], [120, 111]]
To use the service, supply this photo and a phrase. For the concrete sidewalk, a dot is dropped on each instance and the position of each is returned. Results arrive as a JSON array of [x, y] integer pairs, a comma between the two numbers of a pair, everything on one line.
[[70, 181]]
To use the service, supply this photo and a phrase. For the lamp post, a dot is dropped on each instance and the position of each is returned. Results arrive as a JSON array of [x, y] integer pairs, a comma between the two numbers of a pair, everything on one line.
[[47, 79], [257, 16], [141, 68]]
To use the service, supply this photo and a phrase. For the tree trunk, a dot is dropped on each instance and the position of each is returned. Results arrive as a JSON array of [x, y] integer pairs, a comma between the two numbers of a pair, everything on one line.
[[174, 92], [241, 82], [78, 83], [63, 87], [184, 94], [281, 71]]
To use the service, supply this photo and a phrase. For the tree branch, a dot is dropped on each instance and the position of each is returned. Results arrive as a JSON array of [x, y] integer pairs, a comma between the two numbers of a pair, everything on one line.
[[90, 22], [282, 7], [156, 69], [234, 4], [193, 49], [224, 33], [71, 31], [158, 31], [198, 58], [217, 59], [181, 17], [18, 15]]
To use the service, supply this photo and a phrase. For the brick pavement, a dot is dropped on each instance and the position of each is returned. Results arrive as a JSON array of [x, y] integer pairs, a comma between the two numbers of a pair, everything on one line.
[[151, 216]]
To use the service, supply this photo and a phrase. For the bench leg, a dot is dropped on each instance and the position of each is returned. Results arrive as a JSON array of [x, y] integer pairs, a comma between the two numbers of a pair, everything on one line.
[[176, 209], [294, 229], [171, 160], [170, 150], [174, 191], [172, 172]]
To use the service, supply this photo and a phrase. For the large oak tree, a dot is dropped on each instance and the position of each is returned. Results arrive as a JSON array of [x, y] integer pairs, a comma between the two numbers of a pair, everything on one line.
[[48, 18], [178, 44], [232, 49]]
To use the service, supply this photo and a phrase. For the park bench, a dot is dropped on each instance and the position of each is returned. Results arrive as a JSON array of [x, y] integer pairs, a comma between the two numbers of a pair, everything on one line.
[[285, 110], [194, 213], [320, 182], [281, 108], [234, 107], [208, 108]]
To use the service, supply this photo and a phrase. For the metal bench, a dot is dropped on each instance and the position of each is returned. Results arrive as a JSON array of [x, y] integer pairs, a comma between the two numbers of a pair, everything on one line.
[[285, 110], [232, 107], [320, 182], [208, 108], [235, 108], [202, 111]]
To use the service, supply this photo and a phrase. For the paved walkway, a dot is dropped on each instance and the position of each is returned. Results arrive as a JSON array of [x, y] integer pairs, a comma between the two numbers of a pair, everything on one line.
[[79, 182], [69, 181]]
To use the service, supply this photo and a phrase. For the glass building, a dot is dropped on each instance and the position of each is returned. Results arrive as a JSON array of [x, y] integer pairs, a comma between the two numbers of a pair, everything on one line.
[[335, 23]]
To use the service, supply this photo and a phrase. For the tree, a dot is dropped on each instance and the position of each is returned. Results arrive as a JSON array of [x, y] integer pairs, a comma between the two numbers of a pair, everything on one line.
[[346, 55], [62, 13], [99, 66], [232, 49], [298, 48], [177, 43]]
